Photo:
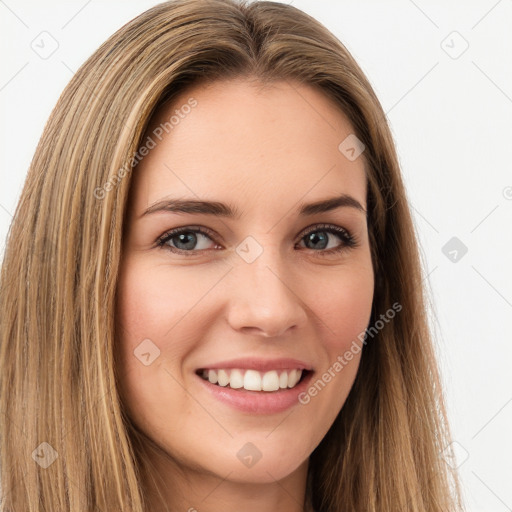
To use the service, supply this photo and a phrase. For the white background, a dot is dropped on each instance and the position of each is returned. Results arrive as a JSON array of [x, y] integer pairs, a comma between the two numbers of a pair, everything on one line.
[[451, 116]]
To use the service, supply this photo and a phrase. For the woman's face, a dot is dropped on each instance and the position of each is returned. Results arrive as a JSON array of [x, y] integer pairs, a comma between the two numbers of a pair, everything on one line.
[[269, 287]]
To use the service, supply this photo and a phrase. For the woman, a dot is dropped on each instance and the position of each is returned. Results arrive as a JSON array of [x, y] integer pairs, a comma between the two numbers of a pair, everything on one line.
[[211, 296]]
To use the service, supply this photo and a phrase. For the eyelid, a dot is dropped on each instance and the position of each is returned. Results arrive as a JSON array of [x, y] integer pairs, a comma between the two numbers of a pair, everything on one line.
[[350, 240], [189, 227], [320, 226]]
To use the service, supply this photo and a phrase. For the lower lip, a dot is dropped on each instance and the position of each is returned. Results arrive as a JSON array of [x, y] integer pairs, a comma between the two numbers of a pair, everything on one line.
[[258, 402]]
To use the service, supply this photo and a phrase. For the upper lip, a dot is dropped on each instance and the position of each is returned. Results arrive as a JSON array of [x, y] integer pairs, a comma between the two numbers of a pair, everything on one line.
[[262, 365]]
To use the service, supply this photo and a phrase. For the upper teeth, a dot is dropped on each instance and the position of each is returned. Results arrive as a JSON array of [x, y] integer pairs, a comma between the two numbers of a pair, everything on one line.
[[253, 380]]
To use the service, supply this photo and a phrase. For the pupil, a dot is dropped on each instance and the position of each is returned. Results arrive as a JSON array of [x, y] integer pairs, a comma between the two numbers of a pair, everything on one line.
[[182, 238], [314, 237]]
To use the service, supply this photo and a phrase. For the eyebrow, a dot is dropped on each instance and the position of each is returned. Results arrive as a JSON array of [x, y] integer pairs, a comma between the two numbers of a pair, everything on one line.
[[219, 209]]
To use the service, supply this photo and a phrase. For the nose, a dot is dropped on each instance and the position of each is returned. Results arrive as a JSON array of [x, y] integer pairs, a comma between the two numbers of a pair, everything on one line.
[[264, 297]]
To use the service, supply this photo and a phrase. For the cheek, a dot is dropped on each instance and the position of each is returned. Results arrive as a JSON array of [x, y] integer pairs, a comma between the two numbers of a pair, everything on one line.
[[147, 308], [343, 310], [142, 316], [153, 300], [344, 306], [158, 312]]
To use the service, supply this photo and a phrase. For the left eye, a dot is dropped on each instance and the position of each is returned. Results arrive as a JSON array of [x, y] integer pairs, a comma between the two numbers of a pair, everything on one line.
[[313, 236], [184, 240]]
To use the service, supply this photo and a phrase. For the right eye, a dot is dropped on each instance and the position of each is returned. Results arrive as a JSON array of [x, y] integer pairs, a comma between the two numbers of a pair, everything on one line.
[[184, 240]]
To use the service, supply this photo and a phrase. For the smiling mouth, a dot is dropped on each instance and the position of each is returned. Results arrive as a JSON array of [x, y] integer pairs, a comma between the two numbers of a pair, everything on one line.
[[253, 380]]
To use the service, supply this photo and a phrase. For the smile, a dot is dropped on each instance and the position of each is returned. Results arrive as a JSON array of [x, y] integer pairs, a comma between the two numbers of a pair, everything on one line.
[[253, 380]]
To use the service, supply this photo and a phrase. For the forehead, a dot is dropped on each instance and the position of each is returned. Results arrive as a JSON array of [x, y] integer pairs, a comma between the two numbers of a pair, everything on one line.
[[254, 146]]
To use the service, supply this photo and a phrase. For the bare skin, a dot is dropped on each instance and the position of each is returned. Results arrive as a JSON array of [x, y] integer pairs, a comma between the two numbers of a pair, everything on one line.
[[264, 153]]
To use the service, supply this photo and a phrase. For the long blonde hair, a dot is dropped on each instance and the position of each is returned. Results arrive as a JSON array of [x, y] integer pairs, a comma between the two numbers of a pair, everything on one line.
[[59, 275]]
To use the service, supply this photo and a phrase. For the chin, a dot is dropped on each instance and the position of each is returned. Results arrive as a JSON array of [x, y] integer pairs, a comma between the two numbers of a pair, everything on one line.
[[252, 466], [262, 472]]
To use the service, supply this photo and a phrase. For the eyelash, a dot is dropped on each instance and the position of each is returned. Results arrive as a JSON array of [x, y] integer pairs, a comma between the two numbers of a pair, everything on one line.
[[348, 240]]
